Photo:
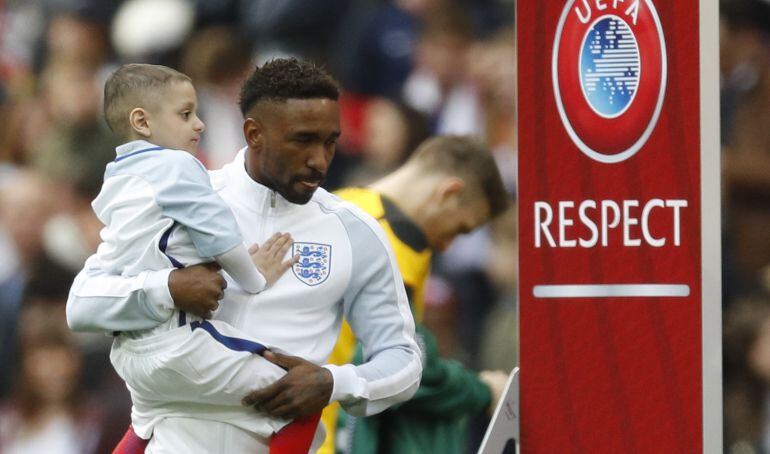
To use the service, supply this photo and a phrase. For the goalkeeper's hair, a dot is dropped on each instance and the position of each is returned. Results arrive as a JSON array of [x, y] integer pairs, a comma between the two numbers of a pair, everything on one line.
[[468, 159], [135, 85]]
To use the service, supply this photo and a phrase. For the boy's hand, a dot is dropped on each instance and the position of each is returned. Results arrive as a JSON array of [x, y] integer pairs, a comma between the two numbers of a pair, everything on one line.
[[268, 258], [197, 289]]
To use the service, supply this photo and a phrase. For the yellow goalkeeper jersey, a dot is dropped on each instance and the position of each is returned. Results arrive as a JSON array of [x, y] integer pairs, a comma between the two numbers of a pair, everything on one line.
[[413, 257]]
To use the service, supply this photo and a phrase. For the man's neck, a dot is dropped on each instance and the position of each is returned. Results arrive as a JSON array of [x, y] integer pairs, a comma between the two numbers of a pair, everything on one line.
[[251, 171], [408, 191]]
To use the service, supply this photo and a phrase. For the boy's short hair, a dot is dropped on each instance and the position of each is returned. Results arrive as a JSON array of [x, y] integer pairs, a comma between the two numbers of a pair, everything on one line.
[[131, 86], [469, 159], [281, 79]]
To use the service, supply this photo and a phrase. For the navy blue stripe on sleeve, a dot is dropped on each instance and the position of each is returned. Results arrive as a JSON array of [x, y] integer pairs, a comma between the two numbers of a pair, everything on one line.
[[163, 245]]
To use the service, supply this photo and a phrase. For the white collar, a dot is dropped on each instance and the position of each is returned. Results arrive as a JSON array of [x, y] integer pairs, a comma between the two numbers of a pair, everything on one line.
[[135, 146]]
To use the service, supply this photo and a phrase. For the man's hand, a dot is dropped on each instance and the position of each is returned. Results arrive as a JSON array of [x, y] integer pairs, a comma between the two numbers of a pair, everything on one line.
[[496, 380], [197, 289], [304, 390]]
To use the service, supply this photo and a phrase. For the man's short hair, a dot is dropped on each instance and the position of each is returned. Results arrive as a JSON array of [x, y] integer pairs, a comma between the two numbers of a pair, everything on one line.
[[469, 159], [287, 78], [131, 86]]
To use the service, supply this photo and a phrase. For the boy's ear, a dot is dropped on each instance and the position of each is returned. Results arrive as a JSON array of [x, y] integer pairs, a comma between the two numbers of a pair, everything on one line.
[[139, 122], [253, 133]]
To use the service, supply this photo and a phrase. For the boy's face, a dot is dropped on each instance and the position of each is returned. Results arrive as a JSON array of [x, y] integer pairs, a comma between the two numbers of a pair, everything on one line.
[[174, 121]]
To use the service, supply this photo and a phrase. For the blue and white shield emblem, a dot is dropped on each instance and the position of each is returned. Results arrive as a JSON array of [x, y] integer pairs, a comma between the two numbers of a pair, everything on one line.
[[314, 262]]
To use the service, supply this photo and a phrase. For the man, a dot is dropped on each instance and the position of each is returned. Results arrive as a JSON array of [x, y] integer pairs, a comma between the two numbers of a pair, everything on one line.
[[346, 268], [449, 186]]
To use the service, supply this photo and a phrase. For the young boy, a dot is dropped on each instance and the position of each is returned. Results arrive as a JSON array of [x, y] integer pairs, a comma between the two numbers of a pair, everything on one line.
[[159, 209]]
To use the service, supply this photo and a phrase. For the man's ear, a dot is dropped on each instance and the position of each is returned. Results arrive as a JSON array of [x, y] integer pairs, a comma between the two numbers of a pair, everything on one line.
[[449, 189], [139, 121], [253, 132]]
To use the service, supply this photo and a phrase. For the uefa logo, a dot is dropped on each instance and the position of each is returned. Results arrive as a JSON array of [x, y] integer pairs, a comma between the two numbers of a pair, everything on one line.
[[609, 75]]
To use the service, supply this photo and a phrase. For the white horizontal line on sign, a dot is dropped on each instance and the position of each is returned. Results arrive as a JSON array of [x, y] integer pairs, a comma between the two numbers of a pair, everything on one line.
[[610, 290]]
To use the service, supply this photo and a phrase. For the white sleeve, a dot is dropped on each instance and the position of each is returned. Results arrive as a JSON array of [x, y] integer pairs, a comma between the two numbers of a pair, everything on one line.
[[237, 262], [377, 309], [183, 191], [99, 301]]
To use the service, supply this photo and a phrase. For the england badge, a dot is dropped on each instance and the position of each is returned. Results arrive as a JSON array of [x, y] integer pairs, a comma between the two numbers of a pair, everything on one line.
[[609, 75], [314, 262]]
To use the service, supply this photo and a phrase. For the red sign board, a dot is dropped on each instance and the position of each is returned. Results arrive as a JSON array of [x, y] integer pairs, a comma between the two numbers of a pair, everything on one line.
[[610, 225]]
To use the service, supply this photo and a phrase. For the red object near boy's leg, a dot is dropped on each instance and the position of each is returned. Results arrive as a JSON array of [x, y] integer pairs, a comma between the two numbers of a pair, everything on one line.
[[296, 437], [130, 443]]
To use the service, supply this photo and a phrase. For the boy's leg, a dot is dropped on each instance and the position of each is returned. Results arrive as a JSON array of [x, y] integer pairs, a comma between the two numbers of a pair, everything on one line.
[[201, 373], [191, 436], [293, 438], [204, 373]]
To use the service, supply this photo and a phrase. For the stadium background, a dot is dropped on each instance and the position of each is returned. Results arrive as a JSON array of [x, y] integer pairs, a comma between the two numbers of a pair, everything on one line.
[[409, 69]]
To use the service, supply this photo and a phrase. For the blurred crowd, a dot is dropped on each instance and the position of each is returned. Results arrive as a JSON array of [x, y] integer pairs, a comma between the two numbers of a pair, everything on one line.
[[745, 117], [408, 68]]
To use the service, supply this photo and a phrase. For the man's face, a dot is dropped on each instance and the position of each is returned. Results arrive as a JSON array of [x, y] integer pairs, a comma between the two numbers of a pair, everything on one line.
[[174, 121], [292, 145], [454, 217]]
